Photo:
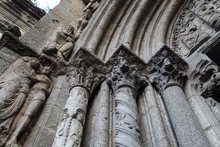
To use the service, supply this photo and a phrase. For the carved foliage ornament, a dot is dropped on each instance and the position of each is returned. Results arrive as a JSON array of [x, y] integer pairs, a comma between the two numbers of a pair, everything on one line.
[[126, 69], [166, 69], [85, 70]]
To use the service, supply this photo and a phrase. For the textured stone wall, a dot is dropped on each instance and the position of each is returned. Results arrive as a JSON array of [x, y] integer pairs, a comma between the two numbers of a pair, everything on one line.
[[120, 84]]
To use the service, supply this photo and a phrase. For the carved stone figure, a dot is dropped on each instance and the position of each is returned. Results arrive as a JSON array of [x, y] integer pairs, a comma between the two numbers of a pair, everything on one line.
[[76, 127], [83, 22], [36, 97], [209, 11], [195, 25], [166, 75], [193, 36], [14, 88], [62, 43], [87, 14], [14, 30], [210, 88]]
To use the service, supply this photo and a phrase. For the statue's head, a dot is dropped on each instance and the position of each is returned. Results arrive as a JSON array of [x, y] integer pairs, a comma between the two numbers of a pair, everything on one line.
[[167, 65], [69, 29], [80, 115]]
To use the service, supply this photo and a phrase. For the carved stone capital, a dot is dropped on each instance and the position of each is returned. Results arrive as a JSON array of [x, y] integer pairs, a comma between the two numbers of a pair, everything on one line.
[[126, 70], [166, 69], [210, 81], [85, 70]]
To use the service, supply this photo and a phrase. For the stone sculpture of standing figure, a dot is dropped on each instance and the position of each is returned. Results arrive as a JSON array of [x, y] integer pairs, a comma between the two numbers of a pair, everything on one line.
[[76, 127]]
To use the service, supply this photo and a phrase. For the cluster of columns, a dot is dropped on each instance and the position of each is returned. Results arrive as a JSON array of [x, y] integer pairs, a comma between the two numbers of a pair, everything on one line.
[[127, 75]]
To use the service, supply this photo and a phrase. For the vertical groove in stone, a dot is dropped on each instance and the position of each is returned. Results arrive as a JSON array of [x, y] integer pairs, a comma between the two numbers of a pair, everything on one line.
[[114, 31], [145, 123], [160, 135], [134, 23], [97, 123], [117, 35], [95, 33], [187, 128], [207, 119], [166, 121]]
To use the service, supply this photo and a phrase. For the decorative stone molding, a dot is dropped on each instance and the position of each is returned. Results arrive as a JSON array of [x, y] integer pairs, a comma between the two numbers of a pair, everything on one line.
[[205, 108], [9, 40]]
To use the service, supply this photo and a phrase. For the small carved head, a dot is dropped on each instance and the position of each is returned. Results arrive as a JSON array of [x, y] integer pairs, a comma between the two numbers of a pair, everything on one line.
[[34, 62], [167, 65], [69, 29], [80, 115]]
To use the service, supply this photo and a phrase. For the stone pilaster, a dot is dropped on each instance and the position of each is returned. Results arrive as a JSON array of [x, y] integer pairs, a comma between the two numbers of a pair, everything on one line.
[[84, 75], [168, 77], [126, 79]]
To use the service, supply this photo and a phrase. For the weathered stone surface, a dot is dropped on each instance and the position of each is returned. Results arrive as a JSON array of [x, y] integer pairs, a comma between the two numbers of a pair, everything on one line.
[[24, 88], [122, 112]]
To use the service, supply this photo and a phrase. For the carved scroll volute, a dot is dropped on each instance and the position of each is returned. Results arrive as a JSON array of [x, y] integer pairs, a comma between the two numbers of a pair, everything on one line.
[[84, 75], [126, 77]]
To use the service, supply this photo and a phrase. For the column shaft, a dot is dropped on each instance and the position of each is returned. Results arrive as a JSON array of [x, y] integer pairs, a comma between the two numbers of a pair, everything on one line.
[[126, 121], [186, 126], [70, 130]]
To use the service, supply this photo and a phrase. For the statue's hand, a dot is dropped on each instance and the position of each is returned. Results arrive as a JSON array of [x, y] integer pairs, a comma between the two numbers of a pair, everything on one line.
[[42, 78]]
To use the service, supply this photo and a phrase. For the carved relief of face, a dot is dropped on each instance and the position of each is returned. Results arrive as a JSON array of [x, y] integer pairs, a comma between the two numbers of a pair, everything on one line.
[[167, 65], [69, 29], [35, 64], [46, 70], [79, 116]]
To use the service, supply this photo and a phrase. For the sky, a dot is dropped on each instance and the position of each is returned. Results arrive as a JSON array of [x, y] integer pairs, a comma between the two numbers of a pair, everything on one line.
[[46, 4]]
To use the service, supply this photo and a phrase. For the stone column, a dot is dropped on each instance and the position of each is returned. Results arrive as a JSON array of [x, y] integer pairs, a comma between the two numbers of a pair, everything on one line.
[[83, 79], [168, 78], [126, 80]]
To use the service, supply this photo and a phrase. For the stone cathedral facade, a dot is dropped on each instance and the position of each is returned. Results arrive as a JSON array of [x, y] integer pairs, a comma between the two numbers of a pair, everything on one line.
[[114, 73]]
